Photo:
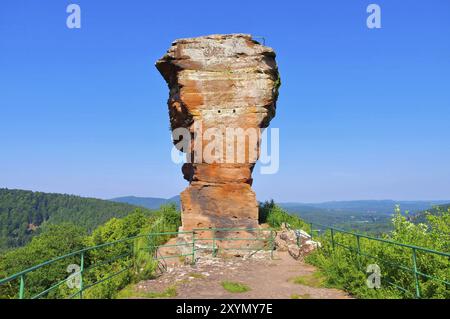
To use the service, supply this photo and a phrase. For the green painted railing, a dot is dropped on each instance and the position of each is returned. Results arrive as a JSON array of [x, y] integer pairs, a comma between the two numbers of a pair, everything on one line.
[[198, 240], [414, 270], [154, 247]]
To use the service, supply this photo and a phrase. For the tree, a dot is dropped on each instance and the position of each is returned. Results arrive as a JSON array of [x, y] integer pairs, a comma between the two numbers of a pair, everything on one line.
[[54, 241]]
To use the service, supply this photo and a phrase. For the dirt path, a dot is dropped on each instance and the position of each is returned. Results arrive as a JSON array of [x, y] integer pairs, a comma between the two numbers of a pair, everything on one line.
[[273, 279]]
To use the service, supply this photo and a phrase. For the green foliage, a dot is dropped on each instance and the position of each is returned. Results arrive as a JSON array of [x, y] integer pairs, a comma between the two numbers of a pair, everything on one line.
[[297, 296], [131, 260], [170, 218], [235, 287], [113, 230], [196, 275], [54, 240], [274, 215], [422, 217], [167, 219], [169, 292], [131, 292], [345, 269], [315, 279], [140, 250], [24, 213], [370, 223], [144, 265], [111, 266]]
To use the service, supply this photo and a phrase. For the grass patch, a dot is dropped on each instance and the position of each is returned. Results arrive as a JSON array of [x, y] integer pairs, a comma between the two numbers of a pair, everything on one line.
[[304, 296], [131, 292], [235, 287], [315, 279], [169, 292], [197, 275]]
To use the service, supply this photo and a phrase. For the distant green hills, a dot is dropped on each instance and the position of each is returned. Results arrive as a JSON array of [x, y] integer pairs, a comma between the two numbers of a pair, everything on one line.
[[385, 207], [379, 207], [369, 216], [23, 213], [147, 202], [420, 217]]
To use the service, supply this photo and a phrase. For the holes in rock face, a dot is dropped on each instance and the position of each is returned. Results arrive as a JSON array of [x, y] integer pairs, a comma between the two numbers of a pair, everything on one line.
[[220, 111], [235, 217]]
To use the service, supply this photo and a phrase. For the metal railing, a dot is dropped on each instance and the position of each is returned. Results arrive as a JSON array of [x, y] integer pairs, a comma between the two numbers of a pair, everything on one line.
[[211, 239], [329, 234], [155, 241]]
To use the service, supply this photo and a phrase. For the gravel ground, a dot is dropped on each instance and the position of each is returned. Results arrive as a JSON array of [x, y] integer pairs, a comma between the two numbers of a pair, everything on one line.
[[266, 278]]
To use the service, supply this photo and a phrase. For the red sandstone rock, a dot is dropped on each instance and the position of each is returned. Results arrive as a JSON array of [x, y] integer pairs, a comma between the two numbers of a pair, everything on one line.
[[220, 81]]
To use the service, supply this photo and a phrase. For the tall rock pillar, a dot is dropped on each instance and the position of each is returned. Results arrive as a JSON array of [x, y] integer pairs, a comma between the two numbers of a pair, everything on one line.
[[218, 83]]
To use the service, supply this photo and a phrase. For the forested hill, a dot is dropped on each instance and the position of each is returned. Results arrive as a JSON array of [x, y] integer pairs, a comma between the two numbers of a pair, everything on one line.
[[420, 217], [22, 213]]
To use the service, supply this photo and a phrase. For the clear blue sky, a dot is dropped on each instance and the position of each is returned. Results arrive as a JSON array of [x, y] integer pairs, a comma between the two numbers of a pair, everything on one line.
[[363, 114]]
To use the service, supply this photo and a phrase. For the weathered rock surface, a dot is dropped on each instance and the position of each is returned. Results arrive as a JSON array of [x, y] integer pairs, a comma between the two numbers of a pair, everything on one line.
[[297, 242], [220, 81]]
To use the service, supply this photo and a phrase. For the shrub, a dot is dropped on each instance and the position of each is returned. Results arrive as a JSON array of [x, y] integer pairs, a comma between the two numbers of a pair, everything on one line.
[[274, 215], [345, 269], [139, 263], [131, 258], [53, 241]]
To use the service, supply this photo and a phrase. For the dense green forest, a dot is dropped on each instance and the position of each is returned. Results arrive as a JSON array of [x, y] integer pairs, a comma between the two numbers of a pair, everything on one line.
[[60, 239], [368, 217], [130, 261], [343, 268], [23, 214], [422, 217], [369, 223]]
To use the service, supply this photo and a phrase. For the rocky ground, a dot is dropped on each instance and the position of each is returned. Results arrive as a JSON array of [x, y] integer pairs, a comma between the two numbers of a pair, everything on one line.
[[282, 277]]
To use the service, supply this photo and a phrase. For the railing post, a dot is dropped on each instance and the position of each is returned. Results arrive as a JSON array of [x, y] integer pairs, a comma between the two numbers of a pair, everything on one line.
[[416, 278], [359, 244], [214, 244], [311, 230], [358, 250], [332, 237], [81, 274], [271, 243], [193, 247], [22, 287]]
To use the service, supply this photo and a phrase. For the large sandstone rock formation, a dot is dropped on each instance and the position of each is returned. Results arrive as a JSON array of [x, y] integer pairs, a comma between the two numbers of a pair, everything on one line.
[[220, 81]]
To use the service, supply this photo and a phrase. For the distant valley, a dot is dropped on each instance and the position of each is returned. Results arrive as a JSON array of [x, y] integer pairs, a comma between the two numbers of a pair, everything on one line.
[[24, 213], [147, 202], [371, 216]]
